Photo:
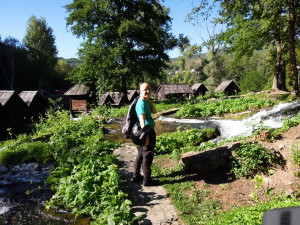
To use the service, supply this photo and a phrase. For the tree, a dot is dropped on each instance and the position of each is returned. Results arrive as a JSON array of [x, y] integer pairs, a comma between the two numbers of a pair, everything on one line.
[[253, 24], [15, 73], [125, 41], [293, 6], [63, 68], [215, 67], [8, 53], [40, 43], [253, 81]]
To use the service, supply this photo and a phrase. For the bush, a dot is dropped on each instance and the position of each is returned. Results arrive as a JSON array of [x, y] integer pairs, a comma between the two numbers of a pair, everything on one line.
[[252, 158], [39, 152], [172, 142]]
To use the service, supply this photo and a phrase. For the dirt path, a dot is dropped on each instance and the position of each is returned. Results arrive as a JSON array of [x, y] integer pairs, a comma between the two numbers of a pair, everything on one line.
[[151, 203]]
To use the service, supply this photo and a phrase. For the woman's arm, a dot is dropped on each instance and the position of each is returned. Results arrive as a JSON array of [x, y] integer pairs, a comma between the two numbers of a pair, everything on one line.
[[142, 120], [153, 109], [142, 124]]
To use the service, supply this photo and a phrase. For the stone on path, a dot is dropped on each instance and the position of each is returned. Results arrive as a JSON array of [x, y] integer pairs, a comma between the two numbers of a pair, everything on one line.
[[151, 203]]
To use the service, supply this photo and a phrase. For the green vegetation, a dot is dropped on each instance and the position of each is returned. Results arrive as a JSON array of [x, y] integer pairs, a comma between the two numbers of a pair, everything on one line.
[[85, 177], [132, 56], [296, 156], [296, 153], [168, 104], [180, 141], [221, 107], [25, 151], [252, 214], [287, 124], [110, 112], [252, 158], [191, 201]]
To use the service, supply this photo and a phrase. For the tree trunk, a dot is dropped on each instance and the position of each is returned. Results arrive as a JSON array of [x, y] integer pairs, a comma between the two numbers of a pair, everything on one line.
[[279, 82], [292, 45]]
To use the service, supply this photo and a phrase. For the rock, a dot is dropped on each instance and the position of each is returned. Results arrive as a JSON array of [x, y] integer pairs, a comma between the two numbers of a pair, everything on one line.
[[3, 169], [206, 161]]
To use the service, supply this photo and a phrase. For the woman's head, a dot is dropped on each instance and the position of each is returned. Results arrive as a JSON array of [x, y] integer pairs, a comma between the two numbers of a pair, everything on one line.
[[145, 91]]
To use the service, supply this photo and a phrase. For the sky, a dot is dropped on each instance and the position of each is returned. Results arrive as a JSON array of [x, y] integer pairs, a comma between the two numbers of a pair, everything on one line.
[[15, 14]]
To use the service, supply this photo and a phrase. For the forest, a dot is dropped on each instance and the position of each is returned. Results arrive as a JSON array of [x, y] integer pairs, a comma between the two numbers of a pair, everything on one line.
[[237, 54]]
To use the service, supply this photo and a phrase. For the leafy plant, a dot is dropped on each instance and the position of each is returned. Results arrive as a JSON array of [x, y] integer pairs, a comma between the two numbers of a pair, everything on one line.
[[296, 156], [27, 152], [252, 158], [176, 142]]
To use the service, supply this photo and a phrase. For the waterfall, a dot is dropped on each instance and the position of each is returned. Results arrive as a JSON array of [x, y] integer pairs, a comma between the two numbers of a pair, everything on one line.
[[272, 117]]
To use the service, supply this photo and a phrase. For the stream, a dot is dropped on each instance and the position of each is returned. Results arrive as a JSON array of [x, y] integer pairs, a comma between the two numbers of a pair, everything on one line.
[[23, 190], [272, 117]]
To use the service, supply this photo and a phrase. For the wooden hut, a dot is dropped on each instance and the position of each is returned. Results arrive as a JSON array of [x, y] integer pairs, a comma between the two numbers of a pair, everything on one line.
[[13, 108], [199, 88], [36, 104], [228, 87], [105, 99], [78, 95], [165, 91], [119, 99], [132, 94]]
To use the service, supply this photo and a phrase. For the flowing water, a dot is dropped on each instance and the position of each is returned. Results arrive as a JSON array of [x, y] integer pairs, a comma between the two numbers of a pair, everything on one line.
[[272, 118], [23, 190]]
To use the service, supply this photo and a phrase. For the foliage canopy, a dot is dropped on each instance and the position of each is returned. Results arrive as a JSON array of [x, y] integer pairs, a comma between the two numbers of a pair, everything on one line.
[[125, 41]]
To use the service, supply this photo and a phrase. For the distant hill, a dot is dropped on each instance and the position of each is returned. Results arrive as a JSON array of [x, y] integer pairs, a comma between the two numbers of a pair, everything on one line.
[[202, 55], [73, 62]]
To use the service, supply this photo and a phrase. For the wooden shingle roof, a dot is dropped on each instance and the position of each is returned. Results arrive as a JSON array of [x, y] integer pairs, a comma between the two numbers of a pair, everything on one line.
[[105, 99], [197, 86], [118, 97], [226, 85], [131, 94], [175, 88], [78, 89], [5, 96], [28, 96]]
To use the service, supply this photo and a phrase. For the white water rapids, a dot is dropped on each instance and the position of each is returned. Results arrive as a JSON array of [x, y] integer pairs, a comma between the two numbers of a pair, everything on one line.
[[272, 117]]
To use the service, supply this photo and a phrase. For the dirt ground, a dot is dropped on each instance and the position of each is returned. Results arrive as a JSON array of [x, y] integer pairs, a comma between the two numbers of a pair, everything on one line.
[[238, 192]]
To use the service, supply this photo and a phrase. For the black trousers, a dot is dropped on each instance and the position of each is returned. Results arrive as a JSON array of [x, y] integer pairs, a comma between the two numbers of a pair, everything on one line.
[[145, 157]]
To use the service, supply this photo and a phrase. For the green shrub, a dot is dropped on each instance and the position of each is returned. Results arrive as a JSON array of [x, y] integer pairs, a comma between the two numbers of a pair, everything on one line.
[[174, 141], [296, 153], [252, 158], [27, 152], [296, 156]]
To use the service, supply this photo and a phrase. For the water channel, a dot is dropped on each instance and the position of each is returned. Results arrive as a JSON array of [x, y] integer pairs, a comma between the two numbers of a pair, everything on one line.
[[20, 206]]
